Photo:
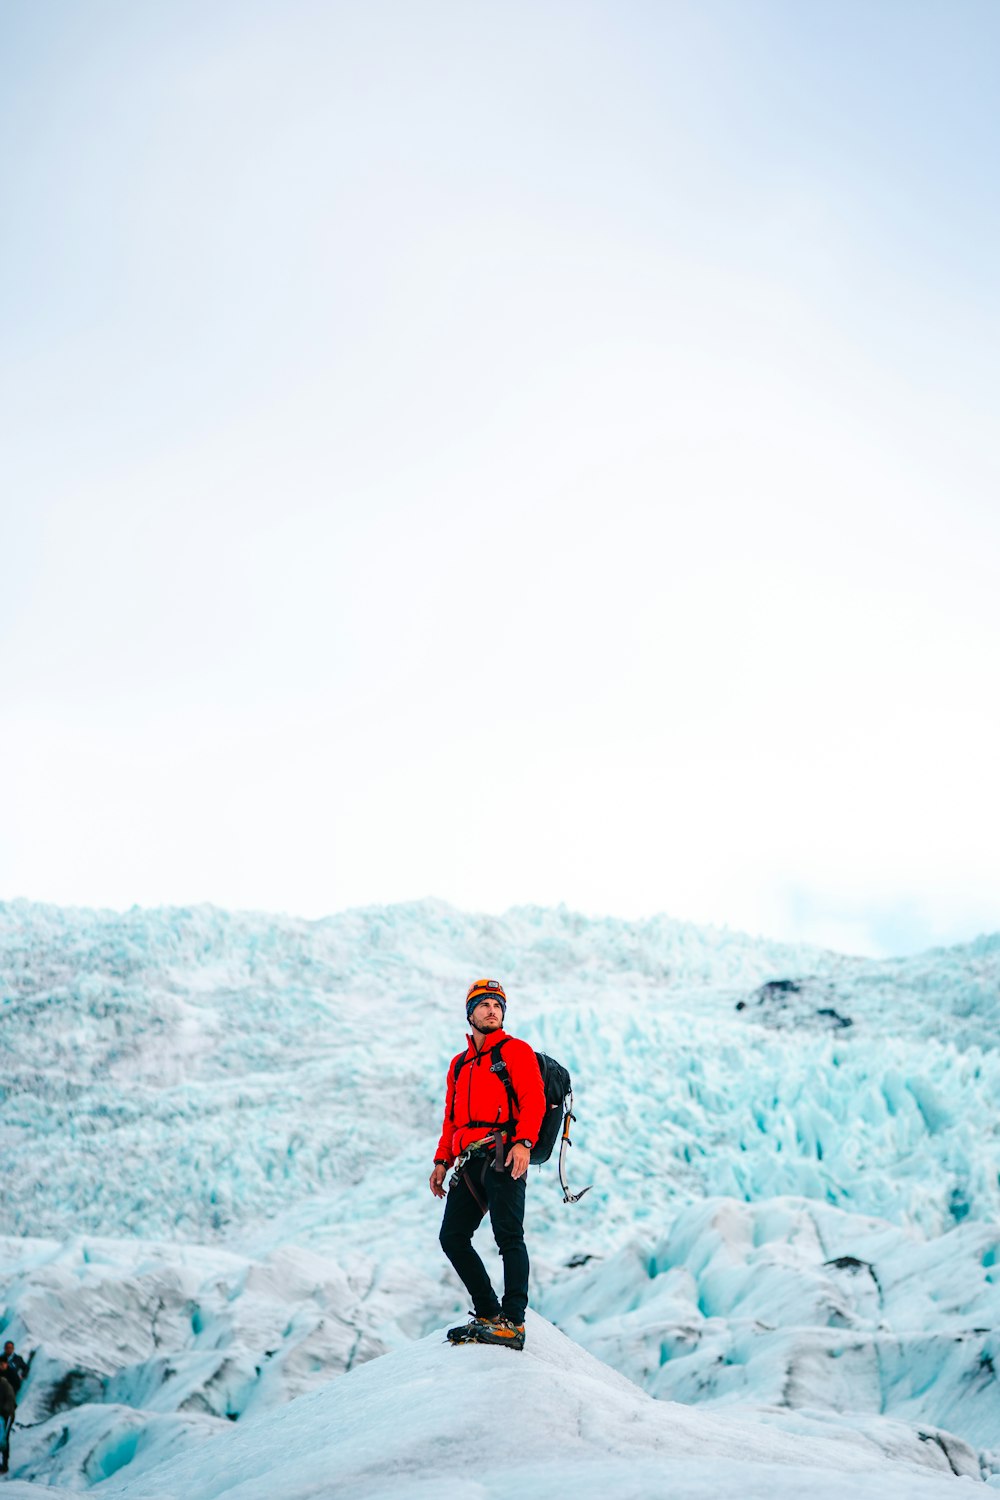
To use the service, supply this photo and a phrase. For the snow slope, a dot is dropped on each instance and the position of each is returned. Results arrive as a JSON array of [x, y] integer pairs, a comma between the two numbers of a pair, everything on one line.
[[432, 1420]]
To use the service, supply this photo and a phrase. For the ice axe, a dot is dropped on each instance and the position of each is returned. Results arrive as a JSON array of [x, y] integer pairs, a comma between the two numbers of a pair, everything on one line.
[[568, 1197]]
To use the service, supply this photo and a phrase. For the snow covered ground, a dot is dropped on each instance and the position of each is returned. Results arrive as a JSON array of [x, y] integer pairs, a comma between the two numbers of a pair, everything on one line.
[[404, 1425], [218, 1130]]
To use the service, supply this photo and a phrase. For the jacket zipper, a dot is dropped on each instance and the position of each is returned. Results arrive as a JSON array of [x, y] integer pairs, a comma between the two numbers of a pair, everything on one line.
[[468, 1107]]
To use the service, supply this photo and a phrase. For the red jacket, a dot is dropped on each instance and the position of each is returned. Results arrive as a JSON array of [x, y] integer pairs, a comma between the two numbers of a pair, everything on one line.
[[479, 1094]]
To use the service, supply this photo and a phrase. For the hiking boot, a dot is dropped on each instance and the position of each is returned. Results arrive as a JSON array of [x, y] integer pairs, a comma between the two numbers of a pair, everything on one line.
[[501, 1331], [468, 1333]]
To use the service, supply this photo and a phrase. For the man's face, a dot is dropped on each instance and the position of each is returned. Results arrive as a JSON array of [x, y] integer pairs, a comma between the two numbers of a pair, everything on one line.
[[8, 1350], [488, 1015]]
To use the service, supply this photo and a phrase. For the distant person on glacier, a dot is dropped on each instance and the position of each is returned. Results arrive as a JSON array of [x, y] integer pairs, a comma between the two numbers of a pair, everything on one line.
[[8, 1406], [14, 1363], [494, 1106]]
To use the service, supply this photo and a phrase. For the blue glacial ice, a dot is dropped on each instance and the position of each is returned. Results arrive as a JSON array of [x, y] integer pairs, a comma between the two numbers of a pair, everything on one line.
[[218, 1128]]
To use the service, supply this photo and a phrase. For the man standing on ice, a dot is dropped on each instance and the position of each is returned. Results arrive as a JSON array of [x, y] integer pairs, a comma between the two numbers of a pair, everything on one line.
[[494, 1107]]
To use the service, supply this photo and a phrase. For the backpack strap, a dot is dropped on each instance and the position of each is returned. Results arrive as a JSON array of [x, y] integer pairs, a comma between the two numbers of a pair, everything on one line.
[[460, 1064], [453, 1082], [499, 1067]]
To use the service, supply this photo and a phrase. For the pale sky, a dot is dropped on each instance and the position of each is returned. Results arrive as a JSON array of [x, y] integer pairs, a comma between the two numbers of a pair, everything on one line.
[[508, 453]]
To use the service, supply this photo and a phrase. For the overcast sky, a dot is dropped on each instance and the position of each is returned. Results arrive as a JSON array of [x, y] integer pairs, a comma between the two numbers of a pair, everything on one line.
[[504, 452]]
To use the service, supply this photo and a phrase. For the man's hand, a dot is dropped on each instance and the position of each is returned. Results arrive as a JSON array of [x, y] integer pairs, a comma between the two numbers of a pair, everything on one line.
[[520, 1156], [437, 1178]]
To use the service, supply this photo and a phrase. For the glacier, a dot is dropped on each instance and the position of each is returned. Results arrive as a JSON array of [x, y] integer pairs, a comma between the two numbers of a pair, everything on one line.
[[216, 1130]]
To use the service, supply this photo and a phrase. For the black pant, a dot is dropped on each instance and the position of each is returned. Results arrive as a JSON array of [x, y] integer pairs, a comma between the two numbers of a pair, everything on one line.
[[462, 1217]]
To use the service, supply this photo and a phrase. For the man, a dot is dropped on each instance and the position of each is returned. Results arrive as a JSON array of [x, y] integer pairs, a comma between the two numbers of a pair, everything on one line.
[[494, 1107], [14, 1362], [16, 1369], [8, 1407]]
